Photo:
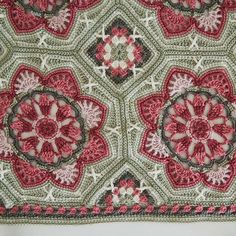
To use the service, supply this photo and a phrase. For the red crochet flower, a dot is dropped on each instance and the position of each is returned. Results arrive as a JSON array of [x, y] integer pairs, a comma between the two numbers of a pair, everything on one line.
[[198, 127], [56, 17], [180, 17], [46, 126], [119, 52], [190, 128], [49, 131], [126, 194]]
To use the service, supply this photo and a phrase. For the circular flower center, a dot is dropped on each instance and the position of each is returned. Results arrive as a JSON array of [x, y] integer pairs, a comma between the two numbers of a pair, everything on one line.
[[199, 129], [46, 128], [119, 52]]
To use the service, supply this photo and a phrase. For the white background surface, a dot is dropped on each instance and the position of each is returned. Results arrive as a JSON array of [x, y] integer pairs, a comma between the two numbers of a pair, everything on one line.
[[123, 229]]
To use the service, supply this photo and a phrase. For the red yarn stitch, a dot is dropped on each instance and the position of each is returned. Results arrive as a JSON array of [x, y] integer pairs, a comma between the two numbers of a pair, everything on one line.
[[163, 208], [233, 208], [136, 208], [14, 210], [2, 210], [109, 210], [123, 209], [96, 210], [49, 210], [175, 208], [223, 209], [73, 211], [83, 210], [37, 209], [149, 209], [187, 208], [26, 208], [211, 209], [198, 209], [61, 210]]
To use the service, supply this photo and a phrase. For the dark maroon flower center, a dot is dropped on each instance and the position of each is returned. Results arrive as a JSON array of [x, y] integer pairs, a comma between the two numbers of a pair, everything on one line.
[[46, 128], [199, 129]]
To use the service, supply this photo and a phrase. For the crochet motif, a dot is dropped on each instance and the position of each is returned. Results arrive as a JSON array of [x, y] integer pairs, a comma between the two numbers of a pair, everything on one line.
[[120, 51], [117, 110]]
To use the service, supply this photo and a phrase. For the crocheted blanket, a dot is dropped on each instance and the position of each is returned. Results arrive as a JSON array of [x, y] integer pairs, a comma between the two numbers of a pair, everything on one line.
[[117, 110]]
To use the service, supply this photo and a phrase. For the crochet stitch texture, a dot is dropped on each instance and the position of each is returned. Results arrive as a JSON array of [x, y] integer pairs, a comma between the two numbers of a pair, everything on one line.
[[117, 110]]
